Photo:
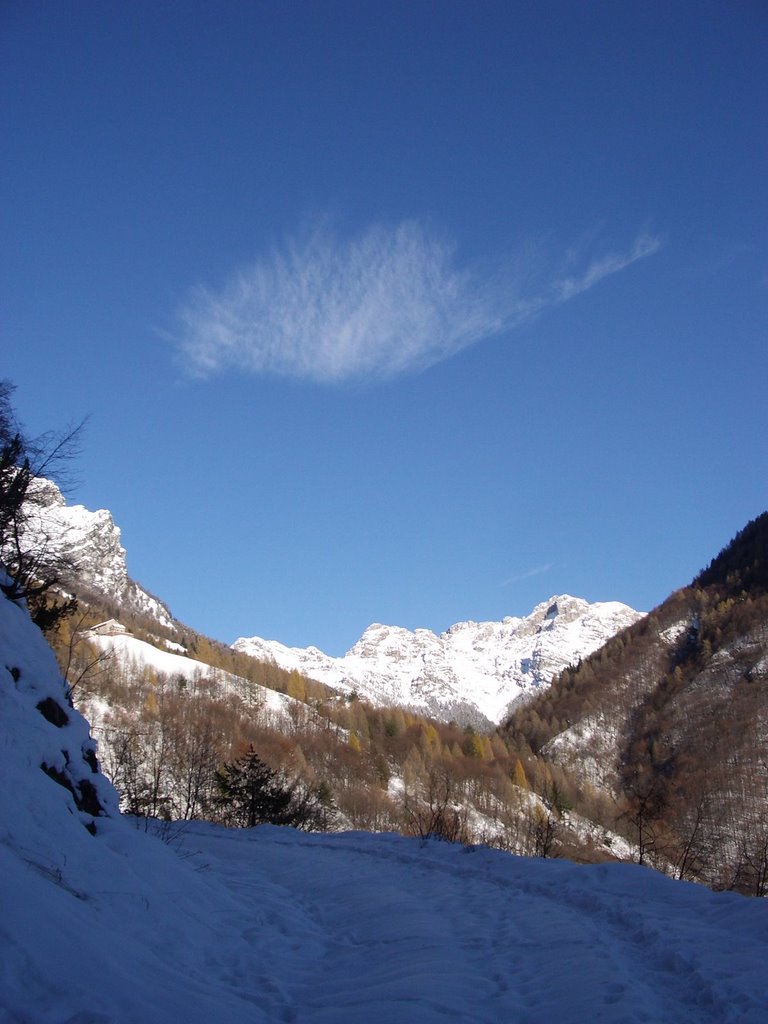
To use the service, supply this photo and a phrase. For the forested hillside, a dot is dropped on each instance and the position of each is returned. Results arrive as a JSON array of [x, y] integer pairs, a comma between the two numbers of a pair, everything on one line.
[[670, 722], [101, 922], [171, 716]]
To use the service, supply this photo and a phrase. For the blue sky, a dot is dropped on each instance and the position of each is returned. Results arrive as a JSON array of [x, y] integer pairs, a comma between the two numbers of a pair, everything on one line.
[[398, 312]]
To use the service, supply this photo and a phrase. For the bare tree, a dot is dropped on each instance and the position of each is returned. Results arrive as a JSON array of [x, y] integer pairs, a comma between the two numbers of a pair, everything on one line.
[[33, 570], [431, 812], [81, 663]]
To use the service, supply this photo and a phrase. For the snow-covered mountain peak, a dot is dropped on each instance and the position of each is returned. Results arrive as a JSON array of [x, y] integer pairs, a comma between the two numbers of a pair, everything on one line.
[[90, 539], [91, 542], [390, 641], [473, 672]]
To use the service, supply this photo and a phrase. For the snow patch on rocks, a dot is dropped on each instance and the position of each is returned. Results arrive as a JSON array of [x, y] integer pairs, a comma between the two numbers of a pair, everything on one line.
[[91, 542]]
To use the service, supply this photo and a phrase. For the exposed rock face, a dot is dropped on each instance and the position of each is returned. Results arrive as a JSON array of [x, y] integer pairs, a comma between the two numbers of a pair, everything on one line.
[[473, 672], [90, 541], [48, 733]]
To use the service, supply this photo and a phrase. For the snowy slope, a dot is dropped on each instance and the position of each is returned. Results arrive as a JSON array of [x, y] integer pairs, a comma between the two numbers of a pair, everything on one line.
[[131, 652], [470, 673], [267, 925]]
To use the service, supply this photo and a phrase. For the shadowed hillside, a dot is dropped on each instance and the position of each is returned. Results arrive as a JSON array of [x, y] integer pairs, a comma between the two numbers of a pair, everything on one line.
[[670, 719]]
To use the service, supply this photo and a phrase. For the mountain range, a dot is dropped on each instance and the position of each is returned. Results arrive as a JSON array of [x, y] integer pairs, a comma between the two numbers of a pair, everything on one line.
[[621, 734], [474, 673]]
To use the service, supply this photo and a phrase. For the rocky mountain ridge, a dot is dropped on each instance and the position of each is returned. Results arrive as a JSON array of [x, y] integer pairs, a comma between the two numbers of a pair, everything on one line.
[[474, 672], [91, 543], [92, 905]]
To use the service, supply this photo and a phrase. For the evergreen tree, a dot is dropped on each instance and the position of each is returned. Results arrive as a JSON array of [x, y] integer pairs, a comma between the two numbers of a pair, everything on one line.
[[253, 793]]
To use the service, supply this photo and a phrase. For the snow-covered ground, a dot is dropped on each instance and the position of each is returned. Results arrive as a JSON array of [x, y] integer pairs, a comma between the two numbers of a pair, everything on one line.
[[128, 651], [271, 925]]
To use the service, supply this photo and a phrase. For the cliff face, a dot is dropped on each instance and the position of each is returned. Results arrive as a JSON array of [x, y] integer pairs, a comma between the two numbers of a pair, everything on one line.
[[91, 543]]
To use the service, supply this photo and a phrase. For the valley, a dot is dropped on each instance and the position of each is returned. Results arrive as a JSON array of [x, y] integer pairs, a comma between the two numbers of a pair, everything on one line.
[[586, 731]]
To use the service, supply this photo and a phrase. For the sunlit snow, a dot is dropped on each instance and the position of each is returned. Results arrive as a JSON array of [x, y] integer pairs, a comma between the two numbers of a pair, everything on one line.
[[472, 671]]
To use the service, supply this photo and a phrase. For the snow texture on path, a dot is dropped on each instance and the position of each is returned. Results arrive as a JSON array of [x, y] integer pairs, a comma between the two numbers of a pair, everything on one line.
[[384, 929]]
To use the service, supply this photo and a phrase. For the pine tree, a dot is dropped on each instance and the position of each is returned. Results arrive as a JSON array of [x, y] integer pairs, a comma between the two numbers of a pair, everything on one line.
[[253, 793]]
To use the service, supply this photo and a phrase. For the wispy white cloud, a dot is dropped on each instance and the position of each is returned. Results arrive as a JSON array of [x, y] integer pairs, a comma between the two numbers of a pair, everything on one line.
[[536, 570], [568, 287], [390, 302]]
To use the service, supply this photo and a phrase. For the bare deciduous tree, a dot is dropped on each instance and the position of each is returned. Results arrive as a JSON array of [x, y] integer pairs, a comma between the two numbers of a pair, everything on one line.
[[34, 569]]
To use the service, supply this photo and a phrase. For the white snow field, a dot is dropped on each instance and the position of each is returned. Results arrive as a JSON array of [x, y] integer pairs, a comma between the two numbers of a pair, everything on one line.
[[224, 926]]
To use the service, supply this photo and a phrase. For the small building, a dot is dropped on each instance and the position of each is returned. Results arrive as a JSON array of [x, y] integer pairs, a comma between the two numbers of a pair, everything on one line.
[[109, 628]]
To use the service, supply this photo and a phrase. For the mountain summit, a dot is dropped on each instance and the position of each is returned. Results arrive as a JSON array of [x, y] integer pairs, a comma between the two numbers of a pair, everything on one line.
[[92, 545], [474, 672]]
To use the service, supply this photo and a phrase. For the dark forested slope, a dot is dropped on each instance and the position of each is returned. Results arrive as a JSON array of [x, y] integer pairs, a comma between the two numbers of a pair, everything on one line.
[[671, 719]]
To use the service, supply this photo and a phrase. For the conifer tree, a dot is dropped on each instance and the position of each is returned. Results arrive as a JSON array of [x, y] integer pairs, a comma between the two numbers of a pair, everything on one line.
[[253, 793], [296, 686]]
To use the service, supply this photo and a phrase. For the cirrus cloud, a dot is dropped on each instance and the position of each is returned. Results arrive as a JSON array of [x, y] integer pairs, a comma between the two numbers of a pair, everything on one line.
[[390, 302]]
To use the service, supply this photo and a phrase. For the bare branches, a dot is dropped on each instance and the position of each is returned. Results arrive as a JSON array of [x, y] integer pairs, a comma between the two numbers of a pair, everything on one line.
[[34, 569]]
